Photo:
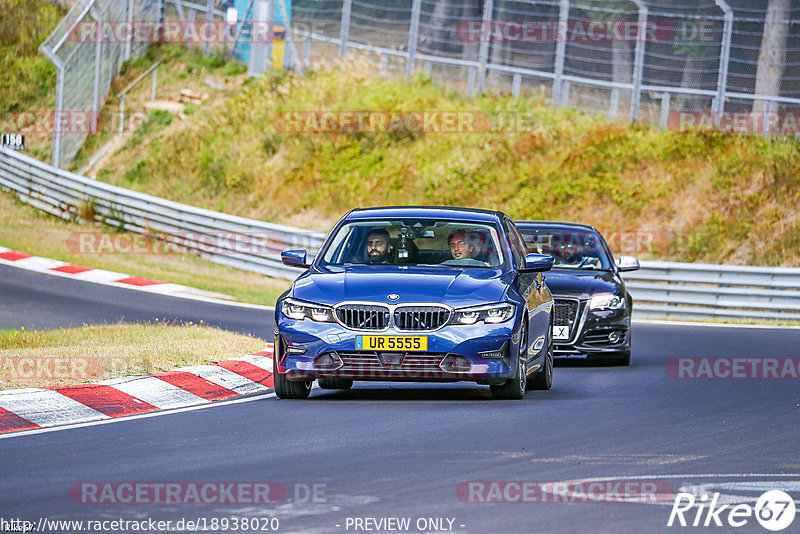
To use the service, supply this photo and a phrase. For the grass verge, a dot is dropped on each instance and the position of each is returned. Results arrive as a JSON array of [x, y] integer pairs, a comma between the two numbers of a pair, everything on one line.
[[47, 358]]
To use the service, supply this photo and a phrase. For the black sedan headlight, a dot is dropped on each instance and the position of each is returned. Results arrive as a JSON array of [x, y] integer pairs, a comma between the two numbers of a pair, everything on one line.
[[606, 301], [299, 310], [491, 313]]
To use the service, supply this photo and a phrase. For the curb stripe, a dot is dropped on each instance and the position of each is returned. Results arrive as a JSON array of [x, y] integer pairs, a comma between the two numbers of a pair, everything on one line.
[[105, 399], [138, 281], [249, 371], [14, 256], [35, 408], [225, 378], [196, 385], [46, 407], [10, 421], [154, 391], [71, 269]]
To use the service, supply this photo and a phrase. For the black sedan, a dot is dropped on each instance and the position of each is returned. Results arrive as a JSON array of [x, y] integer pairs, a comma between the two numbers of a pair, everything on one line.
[[592, 307]]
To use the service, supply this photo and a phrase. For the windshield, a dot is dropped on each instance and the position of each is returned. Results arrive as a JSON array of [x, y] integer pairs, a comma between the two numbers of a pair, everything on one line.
[[415, 242], [571, 249]]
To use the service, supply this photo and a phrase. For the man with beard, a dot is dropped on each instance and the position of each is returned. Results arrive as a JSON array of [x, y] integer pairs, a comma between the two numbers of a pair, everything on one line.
[[378, 246]]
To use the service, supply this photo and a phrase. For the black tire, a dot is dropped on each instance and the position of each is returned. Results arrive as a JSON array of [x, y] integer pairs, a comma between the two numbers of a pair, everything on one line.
[[335, 383], [514, 388], [544, 378], [289, 389]]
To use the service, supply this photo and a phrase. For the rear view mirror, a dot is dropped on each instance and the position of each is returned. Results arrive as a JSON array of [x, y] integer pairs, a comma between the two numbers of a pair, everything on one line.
[[294, 258], [627, 263], [537, 263]]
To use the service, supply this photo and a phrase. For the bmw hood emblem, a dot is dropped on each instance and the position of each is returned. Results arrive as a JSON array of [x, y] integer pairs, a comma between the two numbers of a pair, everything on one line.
[[393, 296]]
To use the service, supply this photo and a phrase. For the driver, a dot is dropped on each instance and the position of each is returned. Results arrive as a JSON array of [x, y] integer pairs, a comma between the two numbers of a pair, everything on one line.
[[378, 246], [459, 247]]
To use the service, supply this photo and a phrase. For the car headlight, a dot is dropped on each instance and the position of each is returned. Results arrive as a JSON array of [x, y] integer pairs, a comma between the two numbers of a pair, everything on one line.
[[493, 313], [606, 301], [299, 310]]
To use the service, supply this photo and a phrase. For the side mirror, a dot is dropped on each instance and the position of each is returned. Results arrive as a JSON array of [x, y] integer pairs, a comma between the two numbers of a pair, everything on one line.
[[627, 263], [294, 258], [537, 263]]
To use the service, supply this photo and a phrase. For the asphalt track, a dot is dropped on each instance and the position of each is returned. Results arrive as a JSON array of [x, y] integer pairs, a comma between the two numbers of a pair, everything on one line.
[[401, 451]]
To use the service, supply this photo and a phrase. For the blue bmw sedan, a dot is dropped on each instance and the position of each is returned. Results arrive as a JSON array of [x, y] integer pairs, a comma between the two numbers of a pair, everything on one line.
[[417, 294]]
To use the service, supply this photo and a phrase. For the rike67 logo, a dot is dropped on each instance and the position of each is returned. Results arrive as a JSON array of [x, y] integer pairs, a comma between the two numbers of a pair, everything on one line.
[[774, 510]]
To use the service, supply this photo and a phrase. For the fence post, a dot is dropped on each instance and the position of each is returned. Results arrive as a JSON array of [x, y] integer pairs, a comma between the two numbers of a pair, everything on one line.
[[561, 48], [126, 54], [209, 20], [638, 62], [471, 75], [613, 110], [413, 36], [307, 51], [98, 56], [181, 14], [516, 83], [766, 119], [384, 65], [724, 55], [483, 52], [344, 31], [663, 121], [295, 57]]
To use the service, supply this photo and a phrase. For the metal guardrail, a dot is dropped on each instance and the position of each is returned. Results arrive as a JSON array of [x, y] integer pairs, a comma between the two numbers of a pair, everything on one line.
[[659, 289], [226, 239], [700, 291]]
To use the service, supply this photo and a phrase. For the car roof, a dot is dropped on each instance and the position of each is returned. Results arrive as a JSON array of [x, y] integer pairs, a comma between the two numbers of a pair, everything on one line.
[[555, 225], [426, 212]]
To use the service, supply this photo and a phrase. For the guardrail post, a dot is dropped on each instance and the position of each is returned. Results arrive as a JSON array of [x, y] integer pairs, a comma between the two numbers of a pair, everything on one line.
[[483, 51], [429, 67], [724, 55], [638, 62], [561, 48], [663, 121], [344, 30], [413, 36], [516, 83]]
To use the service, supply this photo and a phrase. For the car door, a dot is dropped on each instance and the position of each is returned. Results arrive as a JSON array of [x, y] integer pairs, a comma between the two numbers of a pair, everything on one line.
[[531, 287]]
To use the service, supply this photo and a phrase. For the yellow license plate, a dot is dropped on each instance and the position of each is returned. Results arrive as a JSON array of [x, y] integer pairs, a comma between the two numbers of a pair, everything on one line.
[[419, 343]]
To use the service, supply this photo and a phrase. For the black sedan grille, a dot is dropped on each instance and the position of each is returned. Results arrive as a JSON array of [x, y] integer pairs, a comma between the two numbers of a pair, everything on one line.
[[421, 317], [363, 316], [565, 313]]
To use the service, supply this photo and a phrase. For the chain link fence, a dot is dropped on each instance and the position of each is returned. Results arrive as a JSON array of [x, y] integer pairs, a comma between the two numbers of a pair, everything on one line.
[[730, 64], [87, 67], [678, 63]]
